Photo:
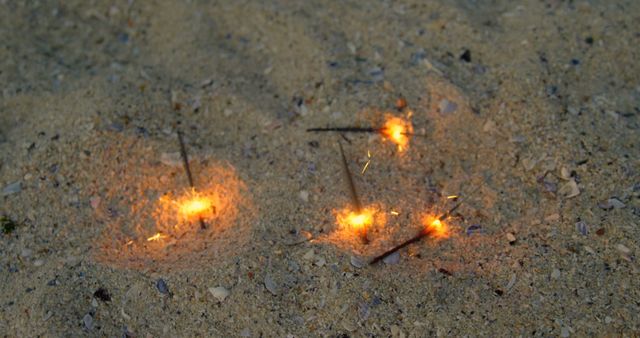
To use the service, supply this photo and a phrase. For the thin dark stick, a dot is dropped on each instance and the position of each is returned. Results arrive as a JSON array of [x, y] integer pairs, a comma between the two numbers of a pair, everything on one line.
[[187, 169], [423, 233], [357, 130], [412, 240], [352, 189], [346, 129]]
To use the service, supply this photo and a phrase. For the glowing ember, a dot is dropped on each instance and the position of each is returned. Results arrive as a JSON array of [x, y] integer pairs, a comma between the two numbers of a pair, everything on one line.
[[356, 222], [395, 213], [156, 237], [196, 207], [452, 197], [436, 227], [398, 131]]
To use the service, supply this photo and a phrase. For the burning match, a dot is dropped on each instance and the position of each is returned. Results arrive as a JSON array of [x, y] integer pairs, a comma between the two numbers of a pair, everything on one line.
[[359, 219], [196, 206], [433, 227], [395, 129]]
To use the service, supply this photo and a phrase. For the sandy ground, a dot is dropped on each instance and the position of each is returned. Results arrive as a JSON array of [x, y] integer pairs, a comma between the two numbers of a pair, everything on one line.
[[529, 112]]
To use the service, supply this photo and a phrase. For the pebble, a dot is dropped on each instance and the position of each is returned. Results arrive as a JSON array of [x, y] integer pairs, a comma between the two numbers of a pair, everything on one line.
[[615, 203], [394, 258], [88, 321], [447, 107], [512, 282], [474, 228], [270, 285], [528, 163], [309, 255], [623, 249], [555, 274], [320, 262], [582, 228], [95, 202], [162, 286], [564, 332], [220, 293], [552, 218], [511, 238], [245, 333], [570, 189], [12, 188], [26, 253], [304, 195], [357, 262], [171, 159], [38, 262]]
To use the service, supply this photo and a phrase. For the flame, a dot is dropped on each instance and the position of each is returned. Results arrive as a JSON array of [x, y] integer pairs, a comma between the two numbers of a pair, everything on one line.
[[196, 207], [155, 237], [436, 227], [397, 130], [357, 221]]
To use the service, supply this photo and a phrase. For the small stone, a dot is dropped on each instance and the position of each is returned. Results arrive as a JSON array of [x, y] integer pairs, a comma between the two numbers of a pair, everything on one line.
[[88, 321], [552, 218], [555, 274], [220, 293], [270, 284], [623, 249], [564, 332], [357, 262], [304, 195], [26, 253], [171, 159], [95, 202], [447, 107], [582, 228], [615, 203], [512, 282], [570, 189], [528, 163], [228, 112], [392, 259], [12, 188], [38, 262], [608, 320], [489, 126], [589, 250], [162, 286], [102, 294], [320, 262], [309, 255], [511, 238], [245, 333], [565, 174]]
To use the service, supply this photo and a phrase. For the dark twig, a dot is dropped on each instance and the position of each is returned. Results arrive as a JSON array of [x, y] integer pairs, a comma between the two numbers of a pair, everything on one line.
[[346, 129]]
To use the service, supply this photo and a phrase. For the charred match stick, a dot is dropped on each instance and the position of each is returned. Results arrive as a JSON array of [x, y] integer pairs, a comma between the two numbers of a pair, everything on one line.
[[426, 231], [356, 130], [354, 194], [187, 169]]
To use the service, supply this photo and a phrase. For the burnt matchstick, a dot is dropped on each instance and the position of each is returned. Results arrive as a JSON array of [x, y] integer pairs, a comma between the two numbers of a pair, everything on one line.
[[355, 200], [426, 231], [356, 130], [187, 169]]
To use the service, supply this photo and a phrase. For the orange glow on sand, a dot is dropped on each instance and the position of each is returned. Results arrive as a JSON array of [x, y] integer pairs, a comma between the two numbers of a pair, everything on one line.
[[397, 130], [435, 227]]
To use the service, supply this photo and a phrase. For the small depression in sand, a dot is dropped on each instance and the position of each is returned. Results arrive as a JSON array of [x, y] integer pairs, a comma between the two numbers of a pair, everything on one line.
[[155, 221]]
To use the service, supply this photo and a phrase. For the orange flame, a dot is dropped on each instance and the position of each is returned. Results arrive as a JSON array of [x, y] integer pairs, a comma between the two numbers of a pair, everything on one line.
[[436, 227], [354, 220], [397, 130], [196, 207]]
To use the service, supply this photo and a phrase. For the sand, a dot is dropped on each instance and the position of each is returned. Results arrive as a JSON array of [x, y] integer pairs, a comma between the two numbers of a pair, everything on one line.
[[527, 110]]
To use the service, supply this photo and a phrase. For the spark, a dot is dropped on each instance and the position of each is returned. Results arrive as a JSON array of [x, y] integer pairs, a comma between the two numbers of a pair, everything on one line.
[[395, 213], [366, 165], [397, 130], [451, 197], [156, 237]]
